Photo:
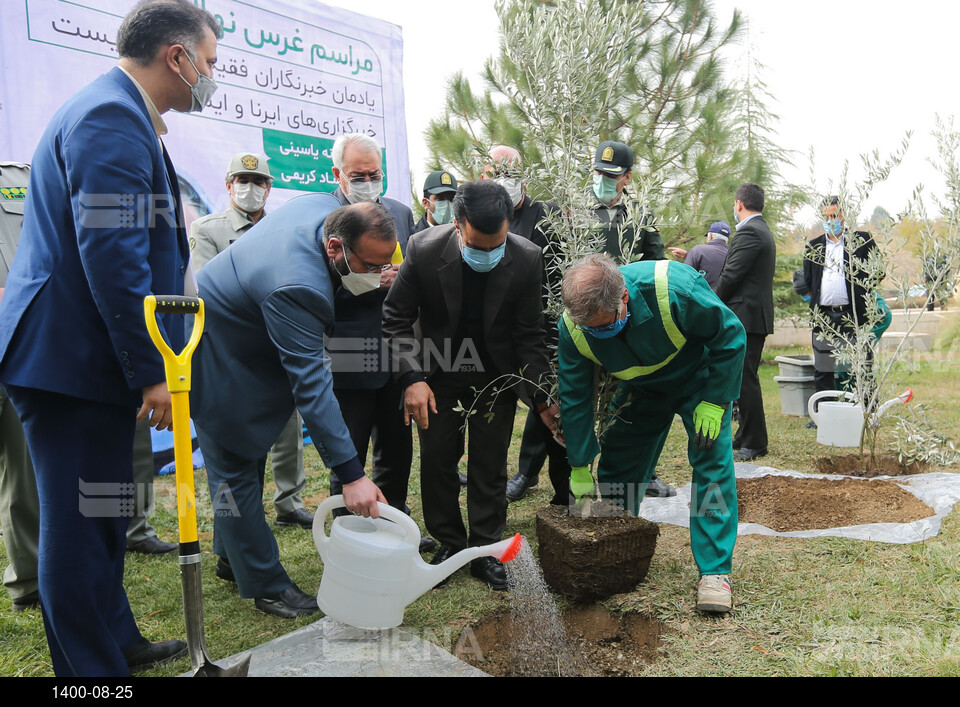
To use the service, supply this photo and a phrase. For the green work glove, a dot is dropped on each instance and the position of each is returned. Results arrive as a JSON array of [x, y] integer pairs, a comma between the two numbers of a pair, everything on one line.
[[706, 423], [581, 482]]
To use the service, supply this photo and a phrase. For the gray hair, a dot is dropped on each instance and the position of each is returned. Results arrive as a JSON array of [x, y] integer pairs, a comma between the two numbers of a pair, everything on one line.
[[591, 286], [360, 140]]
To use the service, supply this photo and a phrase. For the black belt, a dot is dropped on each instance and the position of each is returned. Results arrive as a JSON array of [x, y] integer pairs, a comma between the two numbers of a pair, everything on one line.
[[830, 308]]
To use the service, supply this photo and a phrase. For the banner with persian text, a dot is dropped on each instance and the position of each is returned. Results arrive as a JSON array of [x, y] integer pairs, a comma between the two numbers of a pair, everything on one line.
[[293, 75]]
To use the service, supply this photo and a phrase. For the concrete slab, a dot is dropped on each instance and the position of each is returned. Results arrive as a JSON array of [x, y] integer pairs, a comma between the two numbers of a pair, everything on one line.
[[787, 333], [329, 648], [914, 341]]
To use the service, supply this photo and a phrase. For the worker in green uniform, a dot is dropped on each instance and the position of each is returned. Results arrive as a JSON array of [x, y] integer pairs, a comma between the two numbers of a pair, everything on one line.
[[678, 350]]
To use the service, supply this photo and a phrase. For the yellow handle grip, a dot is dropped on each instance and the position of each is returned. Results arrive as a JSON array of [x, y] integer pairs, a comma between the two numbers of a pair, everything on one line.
[[177, 369], [176, 366]]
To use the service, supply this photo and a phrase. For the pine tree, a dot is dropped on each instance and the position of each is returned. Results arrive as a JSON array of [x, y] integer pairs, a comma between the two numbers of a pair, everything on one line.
[[643, 72]]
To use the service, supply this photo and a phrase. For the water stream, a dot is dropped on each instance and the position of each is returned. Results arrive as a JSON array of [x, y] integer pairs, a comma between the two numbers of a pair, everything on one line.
[[540, 646]]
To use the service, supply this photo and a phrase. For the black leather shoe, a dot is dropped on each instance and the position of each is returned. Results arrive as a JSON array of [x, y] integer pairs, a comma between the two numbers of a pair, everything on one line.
[[145, 655], [657, 489], [224, 570], [27, 601], [518, 486], [288, 604], [300, 516], [811, 425], [490, 571], [152, 546], [463, 479], [444, 553], [427, 544], [746, 454]]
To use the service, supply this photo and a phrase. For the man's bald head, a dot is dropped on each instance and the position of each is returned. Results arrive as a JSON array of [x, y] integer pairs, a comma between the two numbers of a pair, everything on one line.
[[505, 154]]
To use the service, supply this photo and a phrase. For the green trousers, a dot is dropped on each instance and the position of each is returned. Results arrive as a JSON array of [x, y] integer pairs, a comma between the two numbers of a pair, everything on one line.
[[631, 446]]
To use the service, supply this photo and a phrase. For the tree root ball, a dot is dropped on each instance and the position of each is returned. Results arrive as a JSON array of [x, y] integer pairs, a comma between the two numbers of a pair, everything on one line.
[[586, 559]]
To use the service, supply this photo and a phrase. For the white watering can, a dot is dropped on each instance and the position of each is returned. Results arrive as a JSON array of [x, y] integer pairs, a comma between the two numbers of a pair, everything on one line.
[[840, 422], [372, 567]]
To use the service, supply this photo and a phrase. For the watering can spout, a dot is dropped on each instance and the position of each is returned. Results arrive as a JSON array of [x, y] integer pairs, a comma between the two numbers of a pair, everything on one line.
[[424, 576]]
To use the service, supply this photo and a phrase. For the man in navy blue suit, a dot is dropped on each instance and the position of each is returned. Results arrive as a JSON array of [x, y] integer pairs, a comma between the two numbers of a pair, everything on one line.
[[269, 301], [102, 229]]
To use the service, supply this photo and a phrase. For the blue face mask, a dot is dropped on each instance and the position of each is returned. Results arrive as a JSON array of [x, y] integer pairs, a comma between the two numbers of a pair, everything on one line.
[[443, 212], [833, 227], [607, 331], [482, 260], [605, 188]]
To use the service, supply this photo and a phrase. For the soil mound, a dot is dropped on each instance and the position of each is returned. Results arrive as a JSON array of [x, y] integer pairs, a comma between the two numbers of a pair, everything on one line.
[[851, 465], [786, 503]]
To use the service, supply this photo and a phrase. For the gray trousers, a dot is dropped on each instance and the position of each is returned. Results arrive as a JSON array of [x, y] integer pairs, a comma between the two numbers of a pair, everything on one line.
[[19, 505], [139, 529], [286, 458]]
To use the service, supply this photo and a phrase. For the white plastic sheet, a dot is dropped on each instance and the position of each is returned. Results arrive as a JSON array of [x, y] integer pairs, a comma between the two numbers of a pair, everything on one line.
[[939, 490]]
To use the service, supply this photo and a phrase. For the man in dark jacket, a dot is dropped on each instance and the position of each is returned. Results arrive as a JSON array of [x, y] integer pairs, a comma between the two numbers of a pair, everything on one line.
[[529, 220], [708, 257], [613, 167], [839, 284], [475, 290], [746, 287], [438, 190]]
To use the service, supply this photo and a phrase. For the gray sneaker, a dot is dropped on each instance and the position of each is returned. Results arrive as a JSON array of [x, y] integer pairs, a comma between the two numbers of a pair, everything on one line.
[[714, 595]]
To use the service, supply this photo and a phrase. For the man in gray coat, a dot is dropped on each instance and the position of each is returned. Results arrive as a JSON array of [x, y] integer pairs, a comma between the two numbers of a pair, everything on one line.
[[248, 183], [269, 303]]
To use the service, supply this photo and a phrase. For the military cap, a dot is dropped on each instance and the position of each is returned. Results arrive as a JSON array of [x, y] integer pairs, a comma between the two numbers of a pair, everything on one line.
[[248, 163], [439, 182], [613, 157]]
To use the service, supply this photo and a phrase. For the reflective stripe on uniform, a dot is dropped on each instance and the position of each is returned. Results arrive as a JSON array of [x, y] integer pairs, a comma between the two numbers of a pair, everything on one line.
[[666, 319]]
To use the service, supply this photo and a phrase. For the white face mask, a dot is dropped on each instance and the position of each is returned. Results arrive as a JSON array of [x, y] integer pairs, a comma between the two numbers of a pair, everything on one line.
[[358, 283], [364, 191], [249, 197], [514, 189]]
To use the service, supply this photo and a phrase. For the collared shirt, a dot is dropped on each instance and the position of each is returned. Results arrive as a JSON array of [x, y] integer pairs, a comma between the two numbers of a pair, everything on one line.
[[747, 219], [833, 285], [158, 125]]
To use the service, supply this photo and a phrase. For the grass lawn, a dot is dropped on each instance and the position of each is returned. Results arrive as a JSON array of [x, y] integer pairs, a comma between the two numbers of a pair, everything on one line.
[[803, 607]]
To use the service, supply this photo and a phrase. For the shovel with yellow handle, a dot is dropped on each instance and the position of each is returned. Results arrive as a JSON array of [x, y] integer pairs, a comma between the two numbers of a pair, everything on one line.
[[177, 368]]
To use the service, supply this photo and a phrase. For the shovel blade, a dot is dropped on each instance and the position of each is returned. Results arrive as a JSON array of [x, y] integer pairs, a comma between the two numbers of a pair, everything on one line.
[[212, 670]]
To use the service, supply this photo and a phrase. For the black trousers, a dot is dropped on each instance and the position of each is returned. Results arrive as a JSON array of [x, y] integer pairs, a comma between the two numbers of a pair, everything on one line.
[[752, 432], [441, 447], [536, 447], [376, 416]]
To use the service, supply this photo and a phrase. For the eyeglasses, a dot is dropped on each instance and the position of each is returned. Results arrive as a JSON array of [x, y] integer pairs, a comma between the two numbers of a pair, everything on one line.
[[603, 327], [358, 177], [370, 267], [599, 329]]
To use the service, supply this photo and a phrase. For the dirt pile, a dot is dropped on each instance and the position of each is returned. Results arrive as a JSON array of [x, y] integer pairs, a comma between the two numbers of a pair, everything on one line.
[[786, 503]]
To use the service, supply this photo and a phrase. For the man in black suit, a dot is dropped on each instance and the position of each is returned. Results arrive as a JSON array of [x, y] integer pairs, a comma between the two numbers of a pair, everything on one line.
[[840, 287], [475, 289], [746, 287]]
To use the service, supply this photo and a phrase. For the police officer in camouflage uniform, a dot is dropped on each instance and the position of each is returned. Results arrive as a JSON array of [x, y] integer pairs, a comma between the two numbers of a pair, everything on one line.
[[248, 184]]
